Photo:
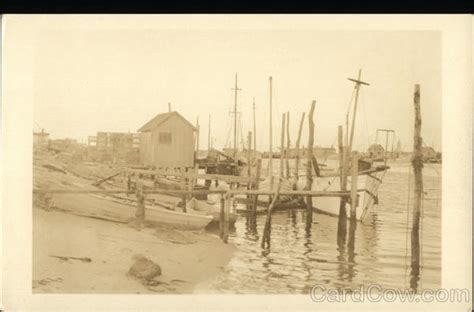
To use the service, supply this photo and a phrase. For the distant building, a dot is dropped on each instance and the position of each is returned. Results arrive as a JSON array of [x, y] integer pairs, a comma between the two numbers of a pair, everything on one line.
[[167, 141], [428, 153], [376, 151], [318, 152], [115, 147], [40, 140]]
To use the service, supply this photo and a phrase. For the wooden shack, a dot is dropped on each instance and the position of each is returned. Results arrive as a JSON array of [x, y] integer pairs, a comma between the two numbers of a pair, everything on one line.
[[376, 152], [167, 141]]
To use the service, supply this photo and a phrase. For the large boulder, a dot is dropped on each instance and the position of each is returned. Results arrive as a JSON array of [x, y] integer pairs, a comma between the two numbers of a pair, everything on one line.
[[144, 269]]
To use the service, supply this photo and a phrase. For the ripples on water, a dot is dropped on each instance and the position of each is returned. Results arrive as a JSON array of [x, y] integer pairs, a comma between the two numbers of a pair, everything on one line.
[[299, 260]]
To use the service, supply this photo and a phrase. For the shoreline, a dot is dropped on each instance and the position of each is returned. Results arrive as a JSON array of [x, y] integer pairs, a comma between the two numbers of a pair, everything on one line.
[[187, 258]]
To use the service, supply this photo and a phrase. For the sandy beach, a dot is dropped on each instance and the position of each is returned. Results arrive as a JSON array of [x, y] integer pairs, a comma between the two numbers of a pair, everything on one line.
[[187, 258]]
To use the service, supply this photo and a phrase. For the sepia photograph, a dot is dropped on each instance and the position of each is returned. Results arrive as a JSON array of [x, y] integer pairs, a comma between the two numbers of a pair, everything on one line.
[[175, 160]]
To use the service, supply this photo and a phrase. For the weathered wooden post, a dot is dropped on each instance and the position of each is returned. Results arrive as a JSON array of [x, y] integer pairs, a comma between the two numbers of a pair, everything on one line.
[[354, 201], [417, 163], [183, 187], [249, 167], [354, 174], [198, 130], [225, 235], [342, 221], [282, 150], [254, 133], [287, 151], [268, 222], [256, 185], [221, 217], [140, 213], [297, 160], [309, 173], [129, 183], [249, 155], [270, 153]]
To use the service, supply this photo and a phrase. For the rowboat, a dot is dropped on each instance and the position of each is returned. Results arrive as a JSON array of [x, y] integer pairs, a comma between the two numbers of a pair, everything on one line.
[[118, 210]]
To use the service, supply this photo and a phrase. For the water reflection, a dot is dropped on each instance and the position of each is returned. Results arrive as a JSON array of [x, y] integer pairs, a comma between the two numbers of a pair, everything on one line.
[[373, 251]]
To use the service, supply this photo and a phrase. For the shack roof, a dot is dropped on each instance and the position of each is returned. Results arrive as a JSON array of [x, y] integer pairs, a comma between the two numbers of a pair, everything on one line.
[[159, 119]]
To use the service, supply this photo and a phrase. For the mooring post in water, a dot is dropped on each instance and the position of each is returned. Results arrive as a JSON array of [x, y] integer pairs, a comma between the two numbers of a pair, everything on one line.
[[256, 185], [225, 234], [354, 174], [221, 217], [309, 173], [354, 201], [417, 163], [268, 222], [282, 149], [287, 150], [297, 160], [183, 186], [342, 221], [249, 167]]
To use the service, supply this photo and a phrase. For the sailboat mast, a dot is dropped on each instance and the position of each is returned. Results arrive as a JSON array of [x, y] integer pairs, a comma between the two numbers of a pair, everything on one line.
[[209, 135], [357, 87], [271, 137], [254, 132], [235, 117]]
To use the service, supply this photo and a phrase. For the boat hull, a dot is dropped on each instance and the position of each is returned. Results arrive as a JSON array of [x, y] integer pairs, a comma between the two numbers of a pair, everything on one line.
[[367, 195], [115, 210]]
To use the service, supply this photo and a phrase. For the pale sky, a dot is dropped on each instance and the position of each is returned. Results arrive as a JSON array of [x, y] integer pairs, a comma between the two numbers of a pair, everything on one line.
[[116, 80]]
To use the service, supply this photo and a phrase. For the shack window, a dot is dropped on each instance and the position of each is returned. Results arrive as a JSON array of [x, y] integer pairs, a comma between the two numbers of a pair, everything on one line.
[[164, 138]]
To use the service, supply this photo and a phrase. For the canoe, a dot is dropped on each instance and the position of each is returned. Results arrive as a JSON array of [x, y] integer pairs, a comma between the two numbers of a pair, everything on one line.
[[120, 211]]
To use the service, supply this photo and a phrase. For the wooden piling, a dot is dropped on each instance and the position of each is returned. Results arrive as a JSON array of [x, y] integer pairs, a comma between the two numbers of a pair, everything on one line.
[[417, 164], [249, 166], [267, 228], [354, 201], [287, 150], [197, 136], [249, 155], [354, 175], [225, 234], [270, 153], [254, 133], [221, 217], [342, 220], [256, 185], [183, 186], [282, 149], [309, 175], [297, 160]]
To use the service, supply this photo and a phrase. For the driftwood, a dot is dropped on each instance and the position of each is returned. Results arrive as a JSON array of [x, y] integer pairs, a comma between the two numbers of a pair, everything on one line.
[[107, 178], [64, 258]]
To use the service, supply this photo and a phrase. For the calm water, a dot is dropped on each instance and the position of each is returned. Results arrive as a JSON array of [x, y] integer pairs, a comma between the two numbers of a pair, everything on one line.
[[298, 259]]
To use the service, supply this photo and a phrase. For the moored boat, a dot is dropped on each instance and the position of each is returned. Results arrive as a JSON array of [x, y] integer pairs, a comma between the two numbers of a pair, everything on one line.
[[117, 210], [368, 183]]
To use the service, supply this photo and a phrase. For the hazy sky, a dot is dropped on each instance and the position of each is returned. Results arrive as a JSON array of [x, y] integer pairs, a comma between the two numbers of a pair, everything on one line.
[[116, 80]]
